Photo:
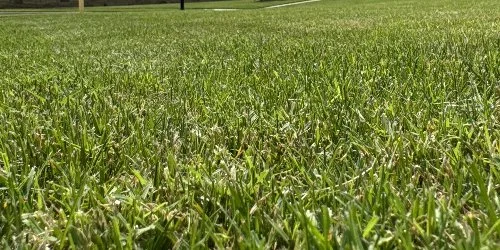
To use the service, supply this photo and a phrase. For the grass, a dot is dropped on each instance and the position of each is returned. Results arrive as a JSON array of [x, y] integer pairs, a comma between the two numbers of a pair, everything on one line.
[[335, 124]]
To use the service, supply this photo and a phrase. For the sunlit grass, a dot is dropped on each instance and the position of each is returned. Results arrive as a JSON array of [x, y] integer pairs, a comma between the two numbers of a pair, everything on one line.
[[337, 124]]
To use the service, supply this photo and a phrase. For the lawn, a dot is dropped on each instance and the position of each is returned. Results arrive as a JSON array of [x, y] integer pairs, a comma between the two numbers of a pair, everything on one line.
[[333, 124]]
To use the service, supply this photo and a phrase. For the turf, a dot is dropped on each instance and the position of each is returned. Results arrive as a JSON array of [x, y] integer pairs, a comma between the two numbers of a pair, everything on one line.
[[335, 124]]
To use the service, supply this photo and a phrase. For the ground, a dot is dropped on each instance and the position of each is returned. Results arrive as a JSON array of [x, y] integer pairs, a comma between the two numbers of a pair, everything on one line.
[[333, 124]]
